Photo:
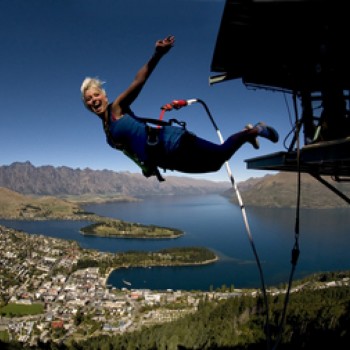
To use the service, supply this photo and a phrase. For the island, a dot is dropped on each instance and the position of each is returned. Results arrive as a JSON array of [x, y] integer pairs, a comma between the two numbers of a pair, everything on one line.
[[120, 229]]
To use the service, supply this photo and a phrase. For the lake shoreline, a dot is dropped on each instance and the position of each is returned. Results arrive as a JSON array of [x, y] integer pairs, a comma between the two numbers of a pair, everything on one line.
[[200, 263]]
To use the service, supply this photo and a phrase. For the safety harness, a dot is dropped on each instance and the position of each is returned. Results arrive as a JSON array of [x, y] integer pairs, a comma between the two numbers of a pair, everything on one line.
[[149, 168]]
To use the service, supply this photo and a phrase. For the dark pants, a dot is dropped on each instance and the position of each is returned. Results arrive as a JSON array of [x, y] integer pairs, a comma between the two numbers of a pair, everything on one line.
[[196, 155]]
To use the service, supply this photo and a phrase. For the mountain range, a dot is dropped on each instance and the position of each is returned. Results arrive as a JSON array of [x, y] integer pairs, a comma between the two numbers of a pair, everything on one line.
[[25, 178], [279, 190]]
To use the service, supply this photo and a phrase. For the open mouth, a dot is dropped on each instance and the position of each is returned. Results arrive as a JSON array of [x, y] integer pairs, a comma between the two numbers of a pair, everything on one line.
[[97, 106]]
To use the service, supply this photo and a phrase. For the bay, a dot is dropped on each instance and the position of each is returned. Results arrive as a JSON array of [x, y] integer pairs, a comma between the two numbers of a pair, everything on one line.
[[212, 221]]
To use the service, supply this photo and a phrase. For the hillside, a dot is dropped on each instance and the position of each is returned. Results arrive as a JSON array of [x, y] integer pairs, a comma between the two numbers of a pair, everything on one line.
[[280, 190], [14, 205], [63, 181]]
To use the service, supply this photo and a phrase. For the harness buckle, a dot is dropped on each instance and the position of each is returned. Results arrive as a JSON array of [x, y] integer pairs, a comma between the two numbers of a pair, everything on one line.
[[152, 136]]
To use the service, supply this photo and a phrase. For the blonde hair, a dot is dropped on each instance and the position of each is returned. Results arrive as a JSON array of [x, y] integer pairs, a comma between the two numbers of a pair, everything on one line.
[[88, 83]]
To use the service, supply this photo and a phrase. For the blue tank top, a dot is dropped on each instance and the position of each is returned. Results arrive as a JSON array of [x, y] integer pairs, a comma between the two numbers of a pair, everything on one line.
[[132, 135]]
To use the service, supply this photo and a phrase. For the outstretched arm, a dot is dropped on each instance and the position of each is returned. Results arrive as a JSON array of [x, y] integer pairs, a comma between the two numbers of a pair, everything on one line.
[[122, 103]]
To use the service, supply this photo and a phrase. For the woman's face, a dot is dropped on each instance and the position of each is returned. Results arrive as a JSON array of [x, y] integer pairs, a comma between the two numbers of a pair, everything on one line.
[[96, 100]]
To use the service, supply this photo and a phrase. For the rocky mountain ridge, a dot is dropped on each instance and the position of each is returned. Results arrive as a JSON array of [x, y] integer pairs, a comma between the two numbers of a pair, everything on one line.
[[25, 178]]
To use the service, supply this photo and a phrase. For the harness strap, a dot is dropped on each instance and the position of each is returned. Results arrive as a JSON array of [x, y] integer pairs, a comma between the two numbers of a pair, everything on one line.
[[159, 121], [162, 114], [148, 169]]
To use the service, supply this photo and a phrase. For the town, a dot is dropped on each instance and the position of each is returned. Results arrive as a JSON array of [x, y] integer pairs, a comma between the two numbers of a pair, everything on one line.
[[44, 297]]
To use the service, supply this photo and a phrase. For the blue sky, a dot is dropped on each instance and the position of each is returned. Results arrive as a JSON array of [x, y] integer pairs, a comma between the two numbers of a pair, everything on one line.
[[49, 46]]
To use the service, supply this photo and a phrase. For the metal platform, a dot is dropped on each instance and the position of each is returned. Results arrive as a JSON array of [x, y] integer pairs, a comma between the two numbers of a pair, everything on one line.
[[299, 47], [284, 44], [330, 158]]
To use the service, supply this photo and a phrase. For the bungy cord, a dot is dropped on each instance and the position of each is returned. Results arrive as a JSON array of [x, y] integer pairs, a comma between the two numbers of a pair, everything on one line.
[[245, 219], [177, 104]]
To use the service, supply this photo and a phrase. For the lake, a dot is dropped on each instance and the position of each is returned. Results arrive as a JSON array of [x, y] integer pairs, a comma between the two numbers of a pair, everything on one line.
[[212, 221]]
